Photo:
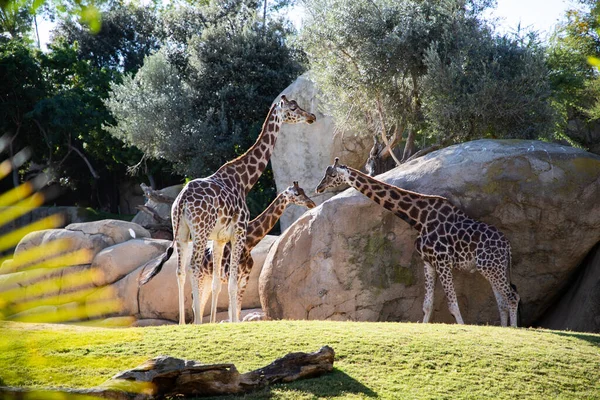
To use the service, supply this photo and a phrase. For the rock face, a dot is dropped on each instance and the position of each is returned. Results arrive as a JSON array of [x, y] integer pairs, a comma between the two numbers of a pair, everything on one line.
[[579, 308], [302, 150], [105, 281], [350, 259]]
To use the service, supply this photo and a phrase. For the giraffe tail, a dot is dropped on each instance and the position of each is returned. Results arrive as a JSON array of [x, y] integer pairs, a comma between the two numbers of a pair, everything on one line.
[[153, 267]]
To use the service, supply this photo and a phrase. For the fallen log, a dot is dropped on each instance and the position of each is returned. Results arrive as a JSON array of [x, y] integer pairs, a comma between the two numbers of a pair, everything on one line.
[[168, 376]]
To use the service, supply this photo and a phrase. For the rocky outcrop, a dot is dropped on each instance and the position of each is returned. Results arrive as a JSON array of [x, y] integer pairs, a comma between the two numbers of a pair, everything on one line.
[[302, 150], [578, 309], [104, 281], [350, 259]]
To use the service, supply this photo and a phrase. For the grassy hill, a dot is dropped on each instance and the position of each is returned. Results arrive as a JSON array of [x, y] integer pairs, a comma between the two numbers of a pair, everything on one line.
[[373, 360]]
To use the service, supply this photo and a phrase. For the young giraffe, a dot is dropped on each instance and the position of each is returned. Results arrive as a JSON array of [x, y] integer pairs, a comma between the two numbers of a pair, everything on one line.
[[257, 230], [215, 208], [447, 239]]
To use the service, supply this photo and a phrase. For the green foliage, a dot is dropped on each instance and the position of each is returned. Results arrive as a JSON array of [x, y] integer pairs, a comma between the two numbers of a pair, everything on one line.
[[127, 35], [431, 67], [53, 101], [16, 18], [201, 100], [152, 109], [372, 360], [575, 82], [486, 86]]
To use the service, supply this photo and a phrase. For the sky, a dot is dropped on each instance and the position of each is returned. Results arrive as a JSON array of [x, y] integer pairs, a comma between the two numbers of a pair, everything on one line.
[[539, 15]]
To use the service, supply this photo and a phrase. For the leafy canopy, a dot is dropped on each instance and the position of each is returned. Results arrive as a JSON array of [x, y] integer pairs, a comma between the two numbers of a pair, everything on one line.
[[431, 68]]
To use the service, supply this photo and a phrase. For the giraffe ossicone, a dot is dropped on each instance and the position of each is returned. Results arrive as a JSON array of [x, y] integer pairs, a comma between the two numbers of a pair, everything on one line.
[[215, 208], [448, 239]]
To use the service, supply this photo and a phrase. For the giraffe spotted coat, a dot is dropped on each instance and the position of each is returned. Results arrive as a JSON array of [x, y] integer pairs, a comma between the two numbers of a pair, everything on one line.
[[448, 239]]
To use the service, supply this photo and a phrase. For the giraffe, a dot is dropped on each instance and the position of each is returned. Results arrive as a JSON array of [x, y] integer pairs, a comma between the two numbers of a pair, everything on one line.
[[447, 239], [215, 208], [256, 231]]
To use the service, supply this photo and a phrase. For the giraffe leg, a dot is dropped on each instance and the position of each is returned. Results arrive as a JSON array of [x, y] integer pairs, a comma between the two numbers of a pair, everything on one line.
[[502, 306], [196, 299], [429, 292], [218, 248], [444, 270], [183, 234], [506, 297], [204, 288], [237, 246], [181, 285], [242, 282], [513, 305]]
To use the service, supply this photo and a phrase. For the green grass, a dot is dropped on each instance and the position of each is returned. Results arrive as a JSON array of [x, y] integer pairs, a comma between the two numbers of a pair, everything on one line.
[[373, 360]]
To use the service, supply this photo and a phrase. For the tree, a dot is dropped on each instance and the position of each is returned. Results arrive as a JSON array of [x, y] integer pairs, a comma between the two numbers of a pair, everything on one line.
[[202, 99], [15, 19], [22, 86], [128, 33], [575, 82], [375, 62], [486, 86], [154, 112]]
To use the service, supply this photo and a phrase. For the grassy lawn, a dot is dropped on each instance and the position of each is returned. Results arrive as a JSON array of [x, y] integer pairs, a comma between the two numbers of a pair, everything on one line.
[[373, 360]]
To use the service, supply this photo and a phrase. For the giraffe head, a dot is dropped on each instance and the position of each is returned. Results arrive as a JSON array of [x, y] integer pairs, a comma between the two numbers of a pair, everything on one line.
[[295, 195], [292, 113], [335, 175]]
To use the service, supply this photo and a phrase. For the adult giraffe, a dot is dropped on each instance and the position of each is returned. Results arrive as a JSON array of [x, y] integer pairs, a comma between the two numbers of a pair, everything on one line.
[[447, 239], [215, 208]]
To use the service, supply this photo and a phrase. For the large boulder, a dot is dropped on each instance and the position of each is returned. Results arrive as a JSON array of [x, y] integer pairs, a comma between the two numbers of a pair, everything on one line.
[[116, 261], [93, 236], [71, 282], [350, 259], [302, 150]]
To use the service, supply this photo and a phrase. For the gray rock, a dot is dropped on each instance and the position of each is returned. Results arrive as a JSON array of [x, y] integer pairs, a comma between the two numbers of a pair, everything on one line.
[[302, 150], [350, 259]]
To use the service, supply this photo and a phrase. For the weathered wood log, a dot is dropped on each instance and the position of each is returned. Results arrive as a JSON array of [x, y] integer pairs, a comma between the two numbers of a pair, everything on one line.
[[168, 376], [156, 196], [155, 215]]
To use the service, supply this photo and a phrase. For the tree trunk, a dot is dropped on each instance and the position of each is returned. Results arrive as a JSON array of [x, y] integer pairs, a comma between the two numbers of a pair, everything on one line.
[[409, 146]]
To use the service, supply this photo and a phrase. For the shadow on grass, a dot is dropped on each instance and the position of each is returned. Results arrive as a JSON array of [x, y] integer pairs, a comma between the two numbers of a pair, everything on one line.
[[588, 337], [337, 383]]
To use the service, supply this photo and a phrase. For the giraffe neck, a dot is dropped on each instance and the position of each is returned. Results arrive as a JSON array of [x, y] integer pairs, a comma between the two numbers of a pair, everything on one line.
[[249, 166], [261, 225], [412, 207]]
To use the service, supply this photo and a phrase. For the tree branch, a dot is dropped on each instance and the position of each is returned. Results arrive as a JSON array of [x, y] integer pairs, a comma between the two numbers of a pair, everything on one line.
[[87, 162]]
